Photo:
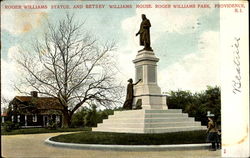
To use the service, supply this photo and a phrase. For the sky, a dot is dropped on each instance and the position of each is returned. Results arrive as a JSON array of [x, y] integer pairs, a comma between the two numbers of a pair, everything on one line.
[[185, 40]]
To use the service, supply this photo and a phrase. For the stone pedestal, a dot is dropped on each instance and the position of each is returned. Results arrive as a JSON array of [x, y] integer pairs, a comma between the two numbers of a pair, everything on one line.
[[147, 91]]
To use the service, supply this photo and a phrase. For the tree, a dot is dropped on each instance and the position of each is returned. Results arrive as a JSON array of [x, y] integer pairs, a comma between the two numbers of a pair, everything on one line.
[[211, 100], [72, 66], [178, 99], [4, 103], [198, 104]]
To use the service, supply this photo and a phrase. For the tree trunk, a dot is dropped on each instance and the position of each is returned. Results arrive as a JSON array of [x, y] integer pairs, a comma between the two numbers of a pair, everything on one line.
[[66, 119]]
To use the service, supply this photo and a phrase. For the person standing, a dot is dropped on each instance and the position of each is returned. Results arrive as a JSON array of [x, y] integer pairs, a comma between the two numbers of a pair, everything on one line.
[[212, 131]]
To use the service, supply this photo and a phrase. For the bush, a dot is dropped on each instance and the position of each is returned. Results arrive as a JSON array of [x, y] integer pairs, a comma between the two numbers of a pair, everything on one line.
[[91, 118], [78, 119], [52, 125], [9, 126]]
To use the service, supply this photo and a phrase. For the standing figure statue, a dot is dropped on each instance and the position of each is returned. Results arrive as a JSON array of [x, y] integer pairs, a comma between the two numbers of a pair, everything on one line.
[[130, 94], [144, 33]]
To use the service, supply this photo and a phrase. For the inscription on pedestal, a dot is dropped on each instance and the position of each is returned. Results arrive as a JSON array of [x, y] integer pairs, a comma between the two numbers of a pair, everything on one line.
[[139, 73], [151, 73]]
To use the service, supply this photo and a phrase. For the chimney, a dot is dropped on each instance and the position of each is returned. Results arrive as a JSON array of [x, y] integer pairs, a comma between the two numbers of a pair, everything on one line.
[[34, 93]]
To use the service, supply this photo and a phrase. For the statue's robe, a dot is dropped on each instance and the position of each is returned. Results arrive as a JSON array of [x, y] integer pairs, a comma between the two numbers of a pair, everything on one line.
[[145, 33], [129, 97]]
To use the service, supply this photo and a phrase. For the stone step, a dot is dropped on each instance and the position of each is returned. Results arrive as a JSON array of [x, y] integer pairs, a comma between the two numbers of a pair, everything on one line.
[[165, 115], [150, 115], [142, 111], [118, 130], [122, 125], [125, 120], [149, 125], [157, 107], [148, 120], [172, 124], [149, 130], [174, 129], [170, 119], [164, 111], [129, 112]]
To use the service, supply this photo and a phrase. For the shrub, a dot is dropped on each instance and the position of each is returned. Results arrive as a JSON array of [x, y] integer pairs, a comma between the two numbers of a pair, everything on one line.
[[9, 126], [52, 125], [91, 118], [78, 119]]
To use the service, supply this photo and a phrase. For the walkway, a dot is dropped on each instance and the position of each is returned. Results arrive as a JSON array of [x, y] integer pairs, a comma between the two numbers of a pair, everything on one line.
[[32, 145]]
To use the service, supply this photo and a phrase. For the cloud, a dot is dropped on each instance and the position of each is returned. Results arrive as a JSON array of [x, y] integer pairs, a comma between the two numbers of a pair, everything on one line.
[[13, 51], [125, 66], [22, 21], [10, 73], [196, 70], [8, 76], [166, 20]]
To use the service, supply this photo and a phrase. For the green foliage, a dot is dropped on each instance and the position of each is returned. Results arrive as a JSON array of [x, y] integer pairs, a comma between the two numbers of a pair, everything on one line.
[[90, 117], [176, 100], [52, 125], [133, 139], [8, 126], [197, 104], [78, 119]]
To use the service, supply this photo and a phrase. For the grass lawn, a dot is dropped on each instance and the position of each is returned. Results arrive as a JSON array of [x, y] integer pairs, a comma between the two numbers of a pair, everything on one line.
[[43, 130], [188, 137]]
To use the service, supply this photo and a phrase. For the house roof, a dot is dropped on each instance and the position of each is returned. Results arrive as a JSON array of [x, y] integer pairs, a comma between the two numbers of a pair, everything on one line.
[[41, 103], [4, 114]]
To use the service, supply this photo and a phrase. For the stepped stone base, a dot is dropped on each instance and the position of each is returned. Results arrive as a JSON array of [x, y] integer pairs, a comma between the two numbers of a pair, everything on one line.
[[149, 121]]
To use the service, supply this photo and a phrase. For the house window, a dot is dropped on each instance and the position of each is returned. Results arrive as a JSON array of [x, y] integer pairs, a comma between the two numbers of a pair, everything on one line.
[[34, 118], [18, 118]]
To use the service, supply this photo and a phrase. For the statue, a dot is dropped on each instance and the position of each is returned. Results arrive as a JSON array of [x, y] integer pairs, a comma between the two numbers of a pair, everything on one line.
[[130, 94], [144, 33]]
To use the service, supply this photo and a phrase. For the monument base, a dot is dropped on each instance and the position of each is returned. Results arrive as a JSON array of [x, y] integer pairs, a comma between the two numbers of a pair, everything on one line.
[[149, 121], [148, 101], [147, 93]]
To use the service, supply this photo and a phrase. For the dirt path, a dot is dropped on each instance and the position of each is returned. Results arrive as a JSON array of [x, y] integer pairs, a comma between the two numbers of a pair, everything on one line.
[[32, 145]]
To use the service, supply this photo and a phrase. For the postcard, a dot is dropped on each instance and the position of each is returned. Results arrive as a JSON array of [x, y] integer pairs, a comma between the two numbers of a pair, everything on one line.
[[84, 53]]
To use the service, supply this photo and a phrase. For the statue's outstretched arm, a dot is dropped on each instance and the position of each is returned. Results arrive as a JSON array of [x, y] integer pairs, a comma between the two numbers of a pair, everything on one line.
[[137, 82], [137, 33]]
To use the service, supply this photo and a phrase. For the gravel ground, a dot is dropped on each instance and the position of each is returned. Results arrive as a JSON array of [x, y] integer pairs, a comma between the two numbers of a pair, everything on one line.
[[32, 145]]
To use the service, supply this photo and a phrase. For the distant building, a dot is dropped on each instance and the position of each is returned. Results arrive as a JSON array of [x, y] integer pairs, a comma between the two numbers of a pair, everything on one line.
[[3, 116], [34, 111]]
